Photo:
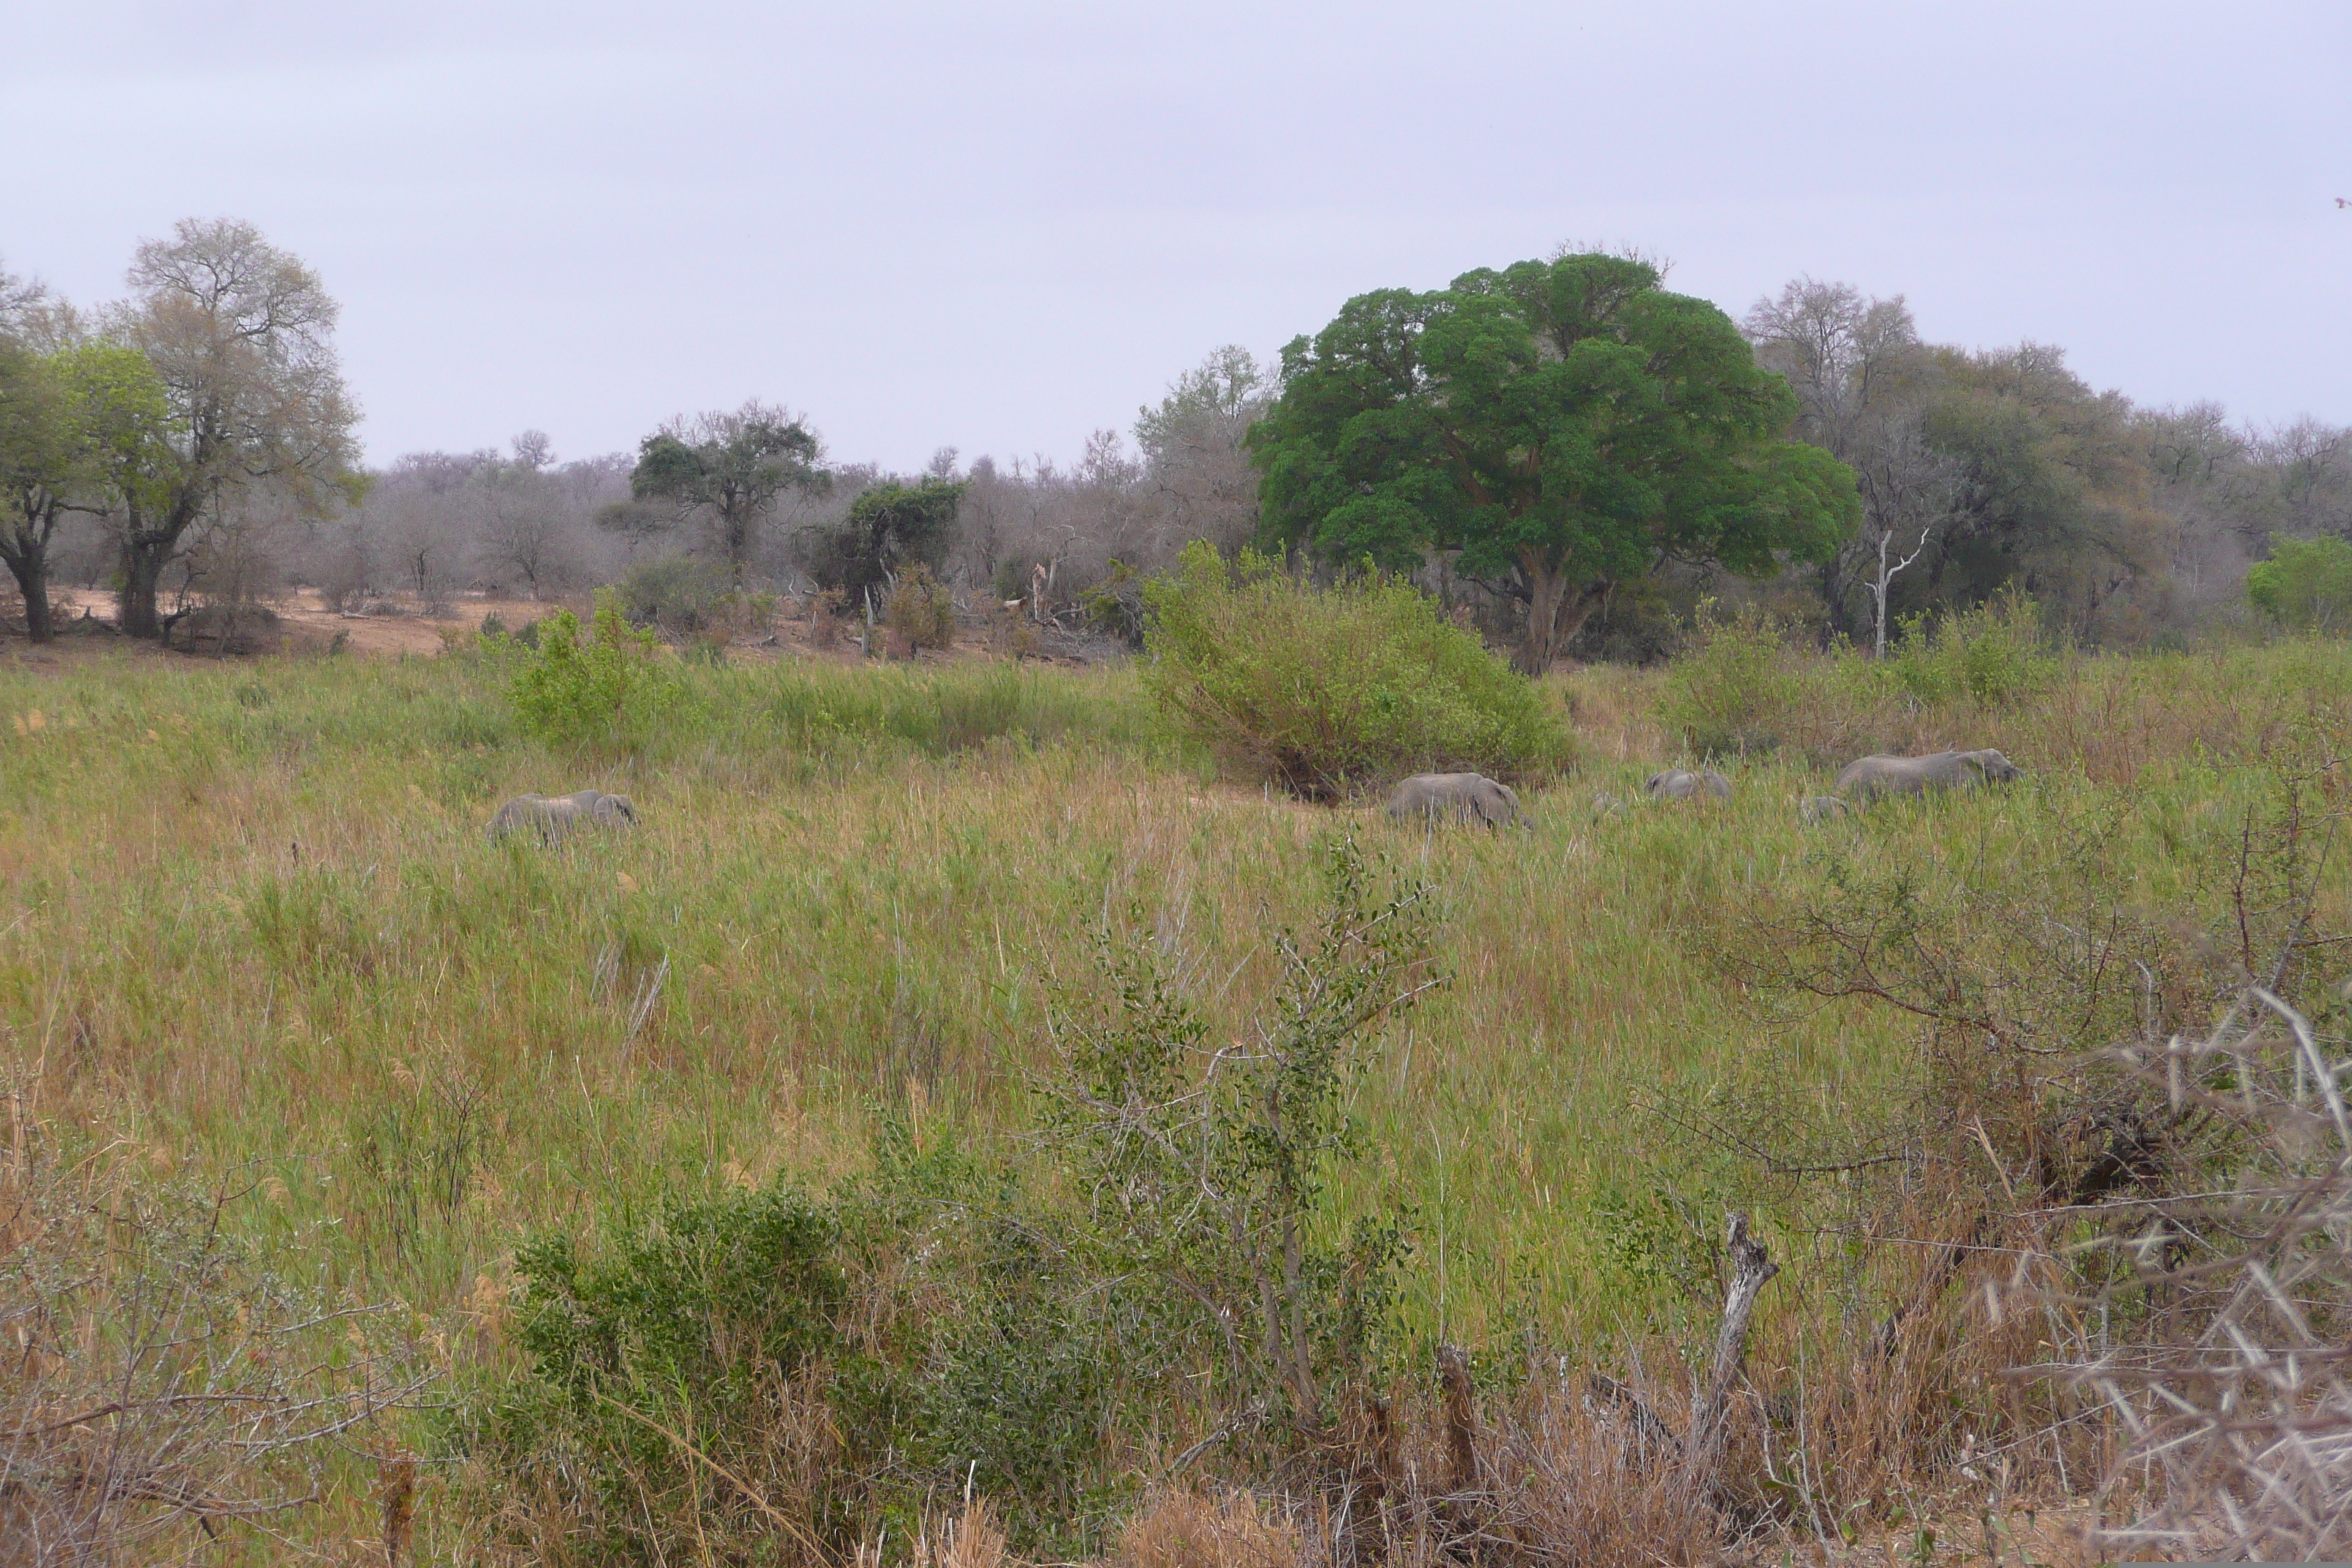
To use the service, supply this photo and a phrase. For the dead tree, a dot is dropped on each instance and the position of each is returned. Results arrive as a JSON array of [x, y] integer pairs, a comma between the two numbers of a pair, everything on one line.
[[1751, 1270]]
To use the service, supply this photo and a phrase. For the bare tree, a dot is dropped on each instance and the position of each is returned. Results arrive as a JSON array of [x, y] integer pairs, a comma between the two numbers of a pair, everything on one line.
[[435, 521], [1908, 491], [1858, 369], [522, 527], [1199, 483], [21, 298], [2310, 462]]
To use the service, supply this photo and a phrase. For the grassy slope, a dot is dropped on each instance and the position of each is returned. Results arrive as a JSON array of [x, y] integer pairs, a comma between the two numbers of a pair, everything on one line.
[[250, 919]]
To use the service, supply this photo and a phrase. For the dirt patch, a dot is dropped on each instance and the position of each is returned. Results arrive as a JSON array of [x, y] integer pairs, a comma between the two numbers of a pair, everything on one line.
[[305, 619], [304, 622]]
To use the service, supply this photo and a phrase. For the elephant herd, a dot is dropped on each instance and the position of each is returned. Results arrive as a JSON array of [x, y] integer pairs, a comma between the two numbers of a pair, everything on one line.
[[1473, 797], [1450, 798]]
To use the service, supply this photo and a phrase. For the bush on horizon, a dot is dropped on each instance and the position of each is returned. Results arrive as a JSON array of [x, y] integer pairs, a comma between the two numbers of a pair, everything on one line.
[[1333, 690], [2305, 585]]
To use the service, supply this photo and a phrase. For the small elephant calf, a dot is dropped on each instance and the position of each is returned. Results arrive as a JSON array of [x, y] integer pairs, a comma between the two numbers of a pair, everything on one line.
[[1816, 809], [551, 816]]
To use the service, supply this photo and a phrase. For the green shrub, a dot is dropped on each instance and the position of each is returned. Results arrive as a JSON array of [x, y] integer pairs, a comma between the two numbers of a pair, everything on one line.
[[605, 688], [891, 526], [681, 596], [951, 1321], [1993, 653], [2306, 584], [1730, 693], [1189, 1153], [842, 1358], [687, 1340], [920, 610], [1332, 689], [1115, 605]]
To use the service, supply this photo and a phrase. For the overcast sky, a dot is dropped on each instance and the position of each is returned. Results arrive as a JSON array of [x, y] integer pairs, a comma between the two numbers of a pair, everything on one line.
[[1000, 226]]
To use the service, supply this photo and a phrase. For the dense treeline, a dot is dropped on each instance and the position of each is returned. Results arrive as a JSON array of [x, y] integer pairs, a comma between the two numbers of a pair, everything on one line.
[[194, 443]]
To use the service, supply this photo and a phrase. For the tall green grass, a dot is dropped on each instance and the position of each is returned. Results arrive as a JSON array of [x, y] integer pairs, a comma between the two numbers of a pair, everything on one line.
[[251, 923]]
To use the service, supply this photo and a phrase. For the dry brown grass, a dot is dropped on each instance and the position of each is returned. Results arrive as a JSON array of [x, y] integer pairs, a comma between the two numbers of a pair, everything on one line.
[[169, 1393], [1187, 1526]]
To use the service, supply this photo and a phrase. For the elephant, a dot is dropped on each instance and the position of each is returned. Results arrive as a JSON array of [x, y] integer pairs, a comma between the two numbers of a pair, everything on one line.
[[1868, 778], [1819, 808], [551, 816], [1681, 784], [1455, 797]]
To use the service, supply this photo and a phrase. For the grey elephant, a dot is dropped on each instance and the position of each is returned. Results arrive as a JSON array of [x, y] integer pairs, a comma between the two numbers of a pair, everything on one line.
[[552, 816], [1681, 784], [1868, 778], [1455, 798], [1815, 809]]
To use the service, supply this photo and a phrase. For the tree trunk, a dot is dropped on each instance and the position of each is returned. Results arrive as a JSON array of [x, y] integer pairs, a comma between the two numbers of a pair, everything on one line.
[[1552, 599], [737, 532], [1751, 1270], [1302, 1359], [27, 560], [32, 582], [1878, 598], [142, 575]]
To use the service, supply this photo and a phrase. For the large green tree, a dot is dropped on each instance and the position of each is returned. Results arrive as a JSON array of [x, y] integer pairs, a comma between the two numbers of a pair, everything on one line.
[[80, 429], [1563, 426], [727, 467], [241, 335]]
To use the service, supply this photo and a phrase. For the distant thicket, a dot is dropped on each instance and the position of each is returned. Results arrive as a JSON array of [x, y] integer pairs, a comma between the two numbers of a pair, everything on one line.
[[143, 450]]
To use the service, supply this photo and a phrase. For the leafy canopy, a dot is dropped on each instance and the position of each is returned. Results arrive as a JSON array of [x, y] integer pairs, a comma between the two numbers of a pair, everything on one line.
[[890, 525], [80, 424], [1563, 426], [729, 466]]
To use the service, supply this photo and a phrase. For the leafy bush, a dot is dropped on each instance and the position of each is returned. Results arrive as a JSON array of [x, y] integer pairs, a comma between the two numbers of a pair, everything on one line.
[[1115, 605], [890, 526], [1991, 653], [1330, 690], [682, 596], [920, 610], [2306, 584], [603, 690], [1730, 694], [690, 1341], [1210, 1171], [730, 1370]]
